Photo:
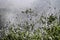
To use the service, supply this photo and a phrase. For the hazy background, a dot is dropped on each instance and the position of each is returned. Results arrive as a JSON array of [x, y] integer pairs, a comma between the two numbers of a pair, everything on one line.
[[10, 9]]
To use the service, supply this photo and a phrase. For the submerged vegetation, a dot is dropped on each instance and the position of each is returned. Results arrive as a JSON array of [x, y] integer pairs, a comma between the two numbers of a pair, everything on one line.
[[51, 31]]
